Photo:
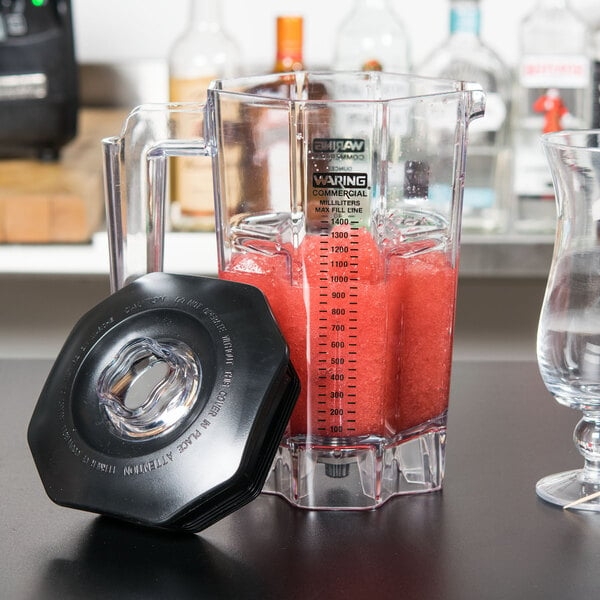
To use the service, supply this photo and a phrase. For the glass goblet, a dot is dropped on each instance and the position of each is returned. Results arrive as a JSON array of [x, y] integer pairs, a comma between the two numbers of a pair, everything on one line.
[[568, 341]]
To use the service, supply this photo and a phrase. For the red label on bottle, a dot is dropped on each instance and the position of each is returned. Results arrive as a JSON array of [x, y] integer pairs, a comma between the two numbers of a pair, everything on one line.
[[549, 71]]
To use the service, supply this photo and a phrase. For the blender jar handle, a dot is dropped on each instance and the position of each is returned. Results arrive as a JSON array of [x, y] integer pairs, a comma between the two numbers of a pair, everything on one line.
[[135, 181]]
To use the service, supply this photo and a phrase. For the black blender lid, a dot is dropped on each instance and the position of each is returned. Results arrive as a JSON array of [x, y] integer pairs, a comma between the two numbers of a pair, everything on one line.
[[166, 404]]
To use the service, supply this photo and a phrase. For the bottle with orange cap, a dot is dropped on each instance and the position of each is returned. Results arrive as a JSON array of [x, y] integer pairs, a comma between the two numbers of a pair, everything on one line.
[[265, 167], [290, 31]]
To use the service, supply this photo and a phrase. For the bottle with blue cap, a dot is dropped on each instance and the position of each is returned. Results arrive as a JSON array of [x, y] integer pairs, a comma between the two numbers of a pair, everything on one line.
[[464, 56]]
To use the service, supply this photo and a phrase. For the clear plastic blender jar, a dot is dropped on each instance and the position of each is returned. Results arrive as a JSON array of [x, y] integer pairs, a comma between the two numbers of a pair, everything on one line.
[[339, 195]]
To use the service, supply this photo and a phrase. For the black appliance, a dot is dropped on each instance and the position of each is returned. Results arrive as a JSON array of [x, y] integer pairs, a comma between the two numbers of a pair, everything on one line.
[[38, 78]]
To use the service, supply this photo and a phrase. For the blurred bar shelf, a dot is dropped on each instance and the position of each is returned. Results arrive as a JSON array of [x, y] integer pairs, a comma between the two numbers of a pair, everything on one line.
[[115, 89], [193, 253], [482, 256], [506, 255]]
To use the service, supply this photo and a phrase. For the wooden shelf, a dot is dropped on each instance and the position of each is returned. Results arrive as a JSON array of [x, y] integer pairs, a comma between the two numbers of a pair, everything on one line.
[[42, 202]]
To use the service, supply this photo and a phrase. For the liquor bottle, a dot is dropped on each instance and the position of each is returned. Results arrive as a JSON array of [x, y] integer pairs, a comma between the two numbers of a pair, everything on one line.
[[589, 11], [265, 163], [372, 38], [596, 78], [202, 53], [554, 83], [289, 55], [465, 57]]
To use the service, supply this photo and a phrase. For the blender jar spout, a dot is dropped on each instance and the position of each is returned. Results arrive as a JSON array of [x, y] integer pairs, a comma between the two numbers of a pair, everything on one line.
[[476, 108]]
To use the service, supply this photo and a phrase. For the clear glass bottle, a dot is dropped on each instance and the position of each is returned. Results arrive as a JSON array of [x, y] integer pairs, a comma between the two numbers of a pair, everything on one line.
[[589, 10], [553, 93], [372, 38], [596, 77], [202, 53], [465, 57]]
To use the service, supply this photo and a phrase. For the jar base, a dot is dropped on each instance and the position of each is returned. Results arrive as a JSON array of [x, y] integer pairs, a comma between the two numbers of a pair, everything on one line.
[[359, 474]]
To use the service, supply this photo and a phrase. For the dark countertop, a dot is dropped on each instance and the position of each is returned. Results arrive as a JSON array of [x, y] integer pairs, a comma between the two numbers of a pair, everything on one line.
[[486, 536]]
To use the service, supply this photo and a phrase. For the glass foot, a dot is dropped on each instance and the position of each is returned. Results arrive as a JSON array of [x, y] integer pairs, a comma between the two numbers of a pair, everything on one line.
[[570, 490]]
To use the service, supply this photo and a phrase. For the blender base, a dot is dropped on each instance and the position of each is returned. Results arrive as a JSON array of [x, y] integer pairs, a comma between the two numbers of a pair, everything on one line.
[[359, 474]]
